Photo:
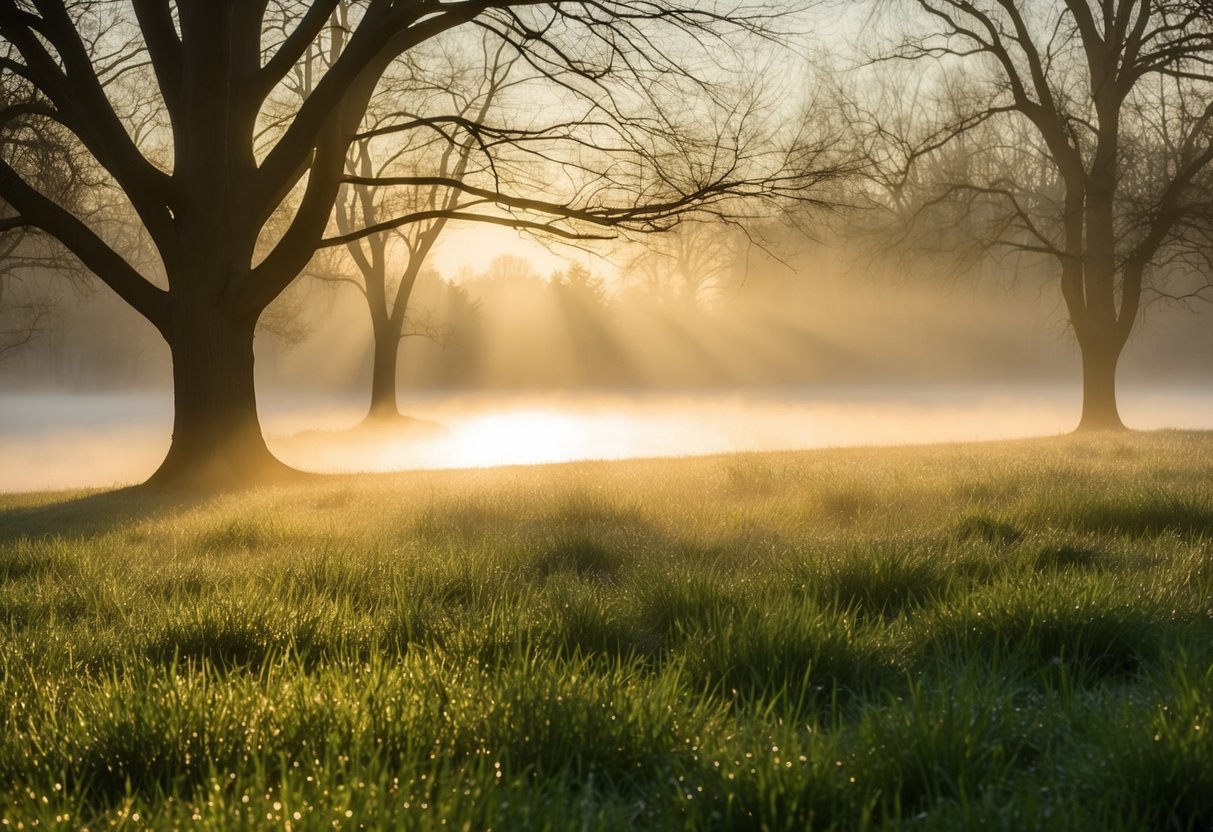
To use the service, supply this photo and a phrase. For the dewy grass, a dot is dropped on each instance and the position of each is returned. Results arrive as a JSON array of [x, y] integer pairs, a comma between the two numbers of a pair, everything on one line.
[[1004, 636]]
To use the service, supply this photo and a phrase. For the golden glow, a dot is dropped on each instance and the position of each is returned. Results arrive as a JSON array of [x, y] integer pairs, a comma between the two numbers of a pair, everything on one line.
[[47, 450], [471, 248], [486, 431], [521, 437]]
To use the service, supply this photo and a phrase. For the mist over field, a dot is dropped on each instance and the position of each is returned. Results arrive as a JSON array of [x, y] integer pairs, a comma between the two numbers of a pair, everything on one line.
[[514, 367], [89, 440]]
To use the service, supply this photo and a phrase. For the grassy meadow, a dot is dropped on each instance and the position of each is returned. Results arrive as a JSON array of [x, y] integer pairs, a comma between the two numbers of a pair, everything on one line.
[[1012, 636]]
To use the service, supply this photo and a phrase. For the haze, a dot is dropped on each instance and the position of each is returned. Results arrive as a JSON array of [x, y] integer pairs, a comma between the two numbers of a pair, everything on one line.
[[73, 440], [519, 370]]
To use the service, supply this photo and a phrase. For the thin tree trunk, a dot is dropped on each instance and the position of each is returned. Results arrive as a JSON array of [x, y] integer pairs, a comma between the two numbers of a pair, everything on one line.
[[1099, 411], [384, 406], [217, 440]]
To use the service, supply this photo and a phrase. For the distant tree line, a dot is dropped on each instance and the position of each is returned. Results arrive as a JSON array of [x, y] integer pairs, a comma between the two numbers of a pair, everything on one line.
[[827, 319]]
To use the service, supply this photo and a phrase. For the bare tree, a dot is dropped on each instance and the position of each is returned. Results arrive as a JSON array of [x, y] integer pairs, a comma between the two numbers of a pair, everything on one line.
[[1087, 128], [23, 312], [26, 253], [690, 265], [179, 104], [427, 121]]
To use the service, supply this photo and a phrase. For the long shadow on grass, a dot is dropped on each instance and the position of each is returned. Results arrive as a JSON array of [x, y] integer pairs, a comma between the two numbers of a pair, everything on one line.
[[1147, 516], [91, 515]]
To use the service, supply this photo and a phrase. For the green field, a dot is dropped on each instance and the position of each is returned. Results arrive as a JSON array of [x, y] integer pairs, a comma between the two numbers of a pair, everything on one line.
[[1003, 636]]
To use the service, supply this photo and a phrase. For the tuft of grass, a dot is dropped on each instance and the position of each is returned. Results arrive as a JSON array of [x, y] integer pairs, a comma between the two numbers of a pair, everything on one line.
[[848, 502], [1067, 556], [580, 555], [940, 746], [877, 580], [1076, 627], [1166, 765], [989, 529], [791, 658], [1148, 514]]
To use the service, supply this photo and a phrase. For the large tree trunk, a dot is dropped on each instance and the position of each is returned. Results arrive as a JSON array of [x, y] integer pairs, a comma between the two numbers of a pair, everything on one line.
[[384, 406], [217, 440], [1099, 411]]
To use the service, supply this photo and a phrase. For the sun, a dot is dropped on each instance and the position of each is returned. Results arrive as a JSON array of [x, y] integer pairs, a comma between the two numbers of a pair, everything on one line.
[[522, 437]]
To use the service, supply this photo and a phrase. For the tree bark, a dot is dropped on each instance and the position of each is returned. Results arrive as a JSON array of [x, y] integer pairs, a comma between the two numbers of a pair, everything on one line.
[[217, 441], [384, 406], [1099, 411]]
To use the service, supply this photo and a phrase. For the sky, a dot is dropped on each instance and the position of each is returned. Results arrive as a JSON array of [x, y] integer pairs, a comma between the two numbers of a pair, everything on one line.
[[468, 248]]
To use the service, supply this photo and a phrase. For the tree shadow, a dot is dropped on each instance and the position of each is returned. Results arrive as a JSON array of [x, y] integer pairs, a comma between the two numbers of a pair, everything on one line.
[[1148, 515], [93, 514]]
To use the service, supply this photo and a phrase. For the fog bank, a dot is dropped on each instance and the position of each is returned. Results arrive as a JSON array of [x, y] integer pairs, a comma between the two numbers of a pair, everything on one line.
[[62, 441]]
